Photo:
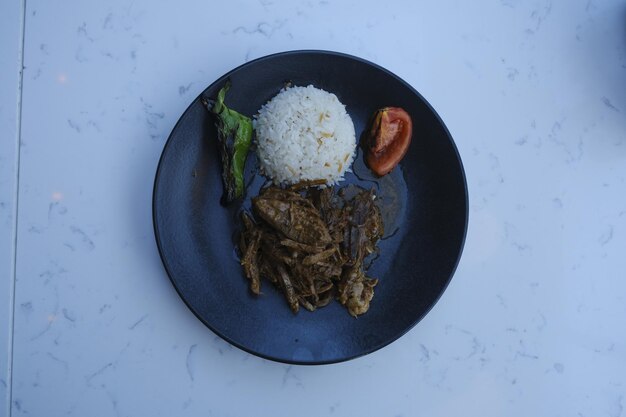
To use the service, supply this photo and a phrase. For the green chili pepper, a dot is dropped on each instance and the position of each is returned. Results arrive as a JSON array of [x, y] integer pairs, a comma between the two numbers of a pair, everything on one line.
[[234, 132]]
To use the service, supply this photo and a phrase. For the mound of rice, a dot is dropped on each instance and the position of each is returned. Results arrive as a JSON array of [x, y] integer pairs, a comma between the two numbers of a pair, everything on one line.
[[304, 133]]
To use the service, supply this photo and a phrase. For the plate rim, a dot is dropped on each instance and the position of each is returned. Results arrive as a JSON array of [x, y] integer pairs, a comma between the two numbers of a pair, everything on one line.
[[378, 346]]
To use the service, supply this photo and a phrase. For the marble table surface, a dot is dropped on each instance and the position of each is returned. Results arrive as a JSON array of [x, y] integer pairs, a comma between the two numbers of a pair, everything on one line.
[[534, 321]]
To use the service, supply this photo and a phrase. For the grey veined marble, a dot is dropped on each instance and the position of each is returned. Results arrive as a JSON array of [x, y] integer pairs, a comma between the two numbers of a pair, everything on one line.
[[534, 94]]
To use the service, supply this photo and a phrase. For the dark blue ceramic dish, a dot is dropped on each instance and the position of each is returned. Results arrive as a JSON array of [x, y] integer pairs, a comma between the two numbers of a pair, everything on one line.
[[426, 219]]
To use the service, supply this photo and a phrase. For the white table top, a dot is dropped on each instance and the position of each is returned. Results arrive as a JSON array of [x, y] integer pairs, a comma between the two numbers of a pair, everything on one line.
[[533, 323]]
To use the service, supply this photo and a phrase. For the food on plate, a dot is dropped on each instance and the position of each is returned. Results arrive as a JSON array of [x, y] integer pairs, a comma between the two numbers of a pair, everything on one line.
[[304, 133], [312, 244], [388, 139], [302, 235], [234, 132]]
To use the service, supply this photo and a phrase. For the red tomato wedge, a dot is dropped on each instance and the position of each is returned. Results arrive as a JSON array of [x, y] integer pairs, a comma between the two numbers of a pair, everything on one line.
[[388, 139]]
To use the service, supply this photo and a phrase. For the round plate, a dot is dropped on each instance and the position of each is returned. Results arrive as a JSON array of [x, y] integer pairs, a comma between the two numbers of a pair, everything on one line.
[[425, 222]]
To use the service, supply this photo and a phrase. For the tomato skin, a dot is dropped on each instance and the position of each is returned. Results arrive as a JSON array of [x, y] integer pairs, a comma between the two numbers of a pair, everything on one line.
[[388, 139]]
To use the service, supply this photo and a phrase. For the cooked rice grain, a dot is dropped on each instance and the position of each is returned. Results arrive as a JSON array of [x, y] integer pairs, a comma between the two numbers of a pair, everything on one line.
[[304, 133]]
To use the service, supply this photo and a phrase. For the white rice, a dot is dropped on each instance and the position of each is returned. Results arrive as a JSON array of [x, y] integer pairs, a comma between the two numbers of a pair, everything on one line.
[[304, 133]]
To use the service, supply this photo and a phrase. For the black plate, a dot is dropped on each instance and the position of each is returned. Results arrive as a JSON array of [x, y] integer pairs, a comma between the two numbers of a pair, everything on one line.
[[426, 219]]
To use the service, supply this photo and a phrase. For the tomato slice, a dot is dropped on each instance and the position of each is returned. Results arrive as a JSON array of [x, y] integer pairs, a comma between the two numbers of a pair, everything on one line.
[[388, 139]]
